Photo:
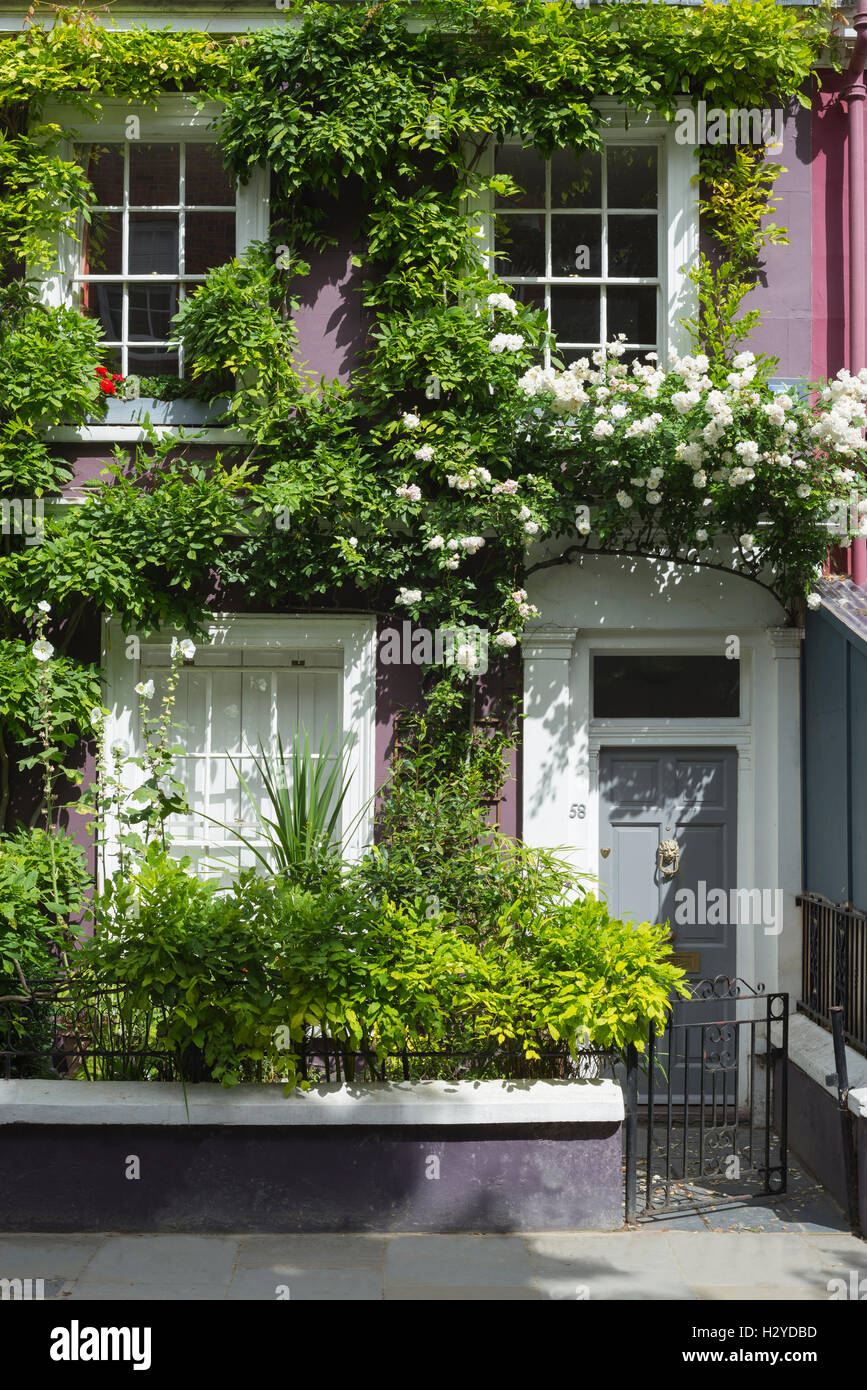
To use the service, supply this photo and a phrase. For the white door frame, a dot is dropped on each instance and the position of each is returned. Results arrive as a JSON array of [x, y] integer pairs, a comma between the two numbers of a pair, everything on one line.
[[562, 742]]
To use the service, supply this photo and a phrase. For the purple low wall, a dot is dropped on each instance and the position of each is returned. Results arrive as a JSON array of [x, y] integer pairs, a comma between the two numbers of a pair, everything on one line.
[[260, 1179]]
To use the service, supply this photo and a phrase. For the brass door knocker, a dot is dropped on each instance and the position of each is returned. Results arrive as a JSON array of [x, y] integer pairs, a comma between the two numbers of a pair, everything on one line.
[[668, 855]]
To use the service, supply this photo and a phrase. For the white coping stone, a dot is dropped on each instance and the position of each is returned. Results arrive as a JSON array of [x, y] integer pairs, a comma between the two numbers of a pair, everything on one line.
[[590, 1101], [811, 1048], [858, 1102]]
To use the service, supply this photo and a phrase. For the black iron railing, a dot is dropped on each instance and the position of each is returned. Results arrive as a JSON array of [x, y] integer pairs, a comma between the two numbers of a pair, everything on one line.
[[95, 1033], [834, 969]]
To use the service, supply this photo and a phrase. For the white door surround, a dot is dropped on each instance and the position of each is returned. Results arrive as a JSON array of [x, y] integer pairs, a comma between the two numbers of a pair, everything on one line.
[[562, 743]]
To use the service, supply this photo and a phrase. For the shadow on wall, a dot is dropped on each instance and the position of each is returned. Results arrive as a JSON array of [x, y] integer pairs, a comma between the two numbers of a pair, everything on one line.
[[332, 324]]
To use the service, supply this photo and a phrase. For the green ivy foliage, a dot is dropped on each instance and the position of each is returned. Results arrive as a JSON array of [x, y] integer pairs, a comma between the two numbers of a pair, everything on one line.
[[363, 105]]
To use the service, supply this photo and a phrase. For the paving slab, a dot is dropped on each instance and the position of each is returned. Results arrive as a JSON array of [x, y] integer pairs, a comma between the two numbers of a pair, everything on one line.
[[164, 1260], [438, 1293], [456, 1261], [745, 1258], [298, 1252], [306, 1285], [86, 1291], [46, 1256]]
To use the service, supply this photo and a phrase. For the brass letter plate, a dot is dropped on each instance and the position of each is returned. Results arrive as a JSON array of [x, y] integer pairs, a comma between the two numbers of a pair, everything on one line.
[[690, 961]]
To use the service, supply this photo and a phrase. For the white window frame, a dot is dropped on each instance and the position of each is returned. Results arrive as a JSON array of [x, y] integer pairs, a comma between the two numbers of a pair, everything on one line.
[[176, 118], [677, 213], [354, 638]]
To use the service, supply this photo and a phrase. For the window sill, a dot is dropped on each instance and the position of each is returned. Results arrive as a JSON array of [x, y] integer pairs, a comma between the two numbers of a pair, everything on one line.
[[128, 421]]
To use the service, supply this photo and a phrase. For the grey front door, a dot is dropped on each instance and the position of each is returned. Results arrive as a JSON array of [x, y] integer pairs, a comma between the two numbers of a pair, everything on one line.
[[683, 794]]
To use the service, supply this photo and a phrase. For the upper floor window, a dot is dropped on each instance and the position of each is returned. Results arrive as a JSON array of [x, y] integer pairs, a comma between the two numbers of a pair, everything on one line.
[[166, 212], [586, 240], [165, 215]]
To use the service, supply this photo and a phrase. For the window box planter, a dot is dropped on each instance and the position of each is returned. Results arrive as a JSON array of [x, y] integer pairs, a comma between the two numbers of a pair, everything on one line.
[[180, 413], [384, 1156]]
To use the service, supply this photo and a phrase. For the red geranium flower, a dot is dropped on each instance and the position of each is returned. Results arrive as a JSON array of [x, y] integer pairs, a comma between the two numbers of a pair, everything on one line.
[[107, 387], [102, 371]]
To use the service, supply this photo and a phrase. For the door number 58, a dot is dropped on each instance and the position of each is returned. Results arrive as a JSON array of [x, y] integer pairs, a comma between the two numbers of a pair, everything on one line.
[[577, 811]]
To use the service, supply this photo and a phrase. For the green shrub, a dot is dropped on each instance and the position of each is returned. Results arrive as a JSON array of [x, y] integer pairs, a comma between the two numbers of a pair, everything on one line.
[[43, 882], [245, 977], [201, 960]]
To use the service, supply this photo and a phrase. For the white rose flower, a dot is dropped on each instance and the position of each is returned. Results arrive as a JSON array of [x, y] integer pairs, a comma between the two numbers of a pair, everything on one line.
[[424, 454], [409, 595], [603, 429], [504, 302], [654, 498], [747, 540], [353, 541], [505, 639], [625, 500], [451, 564], [699, 479], [814, 601], [408, 491], [435, 543], [531, 527], [701, 535], [803, 490], [506, 342], [466, 657], [411, 421]]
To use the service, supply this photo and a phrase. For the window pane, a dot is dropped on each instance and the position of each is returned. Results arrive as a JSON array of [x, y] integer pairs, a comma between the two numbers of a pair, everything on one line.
[[576, 179], [206, 179], [632, 245], [666, 687], [103, 245], [105, 303], [522, 240], [104, 165], [154, 173], [528, 171], [150, 311], [575, 314], [153, 361], [531, 295], [153, 243], [576, 245], [632, 176], [210, 240], [632, 310]]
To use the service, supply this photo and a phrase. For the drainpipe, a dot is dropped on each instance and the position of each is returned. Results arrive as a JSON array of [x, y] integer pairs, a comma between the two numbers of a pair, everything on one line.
[[855, 94]]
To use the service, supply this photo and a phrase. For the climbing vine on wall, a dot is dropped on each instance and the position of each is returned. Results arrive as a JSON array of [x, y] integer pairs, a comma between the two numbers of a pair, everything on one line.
[[424, 483]]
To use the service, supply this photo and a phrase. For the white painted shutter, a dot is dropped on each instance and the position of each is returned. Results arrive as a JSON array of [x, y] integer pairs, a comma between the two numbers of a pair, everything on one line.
[[226, 702]]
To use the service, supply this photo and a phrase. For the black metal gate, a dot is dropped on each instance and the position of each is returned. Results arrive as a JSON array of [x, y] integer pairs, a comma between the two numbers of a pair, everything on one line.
[[708, 1101]]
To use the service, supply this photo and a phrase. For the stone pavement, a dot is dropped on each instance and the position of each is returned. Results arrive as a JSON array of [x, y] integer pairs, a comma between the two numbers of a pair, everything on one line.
[[661, 1264]]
